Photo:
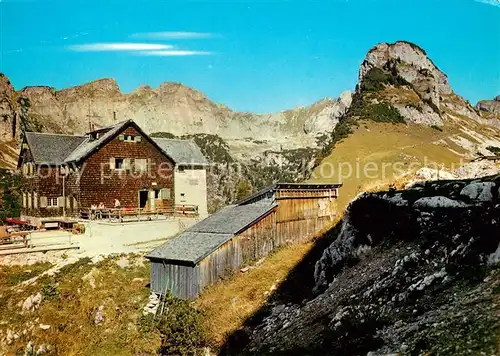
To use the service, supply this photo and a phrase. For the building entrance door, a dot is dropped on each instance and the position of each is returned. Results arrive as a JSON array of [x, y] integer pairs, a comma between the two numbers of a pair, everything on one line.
[[143, 198]]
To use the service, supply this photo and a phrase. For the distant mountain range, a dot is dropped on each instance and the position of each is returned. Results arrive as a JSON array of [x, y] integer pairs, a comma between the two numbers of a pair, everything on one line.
[[398, 83]]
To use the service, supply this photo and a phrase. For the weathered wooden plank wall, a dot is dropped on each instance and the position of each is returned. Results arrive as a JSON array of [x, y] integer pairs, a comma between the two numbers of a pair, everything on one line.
[[219, 263], [177, 279], [301, 214], [259, 239]]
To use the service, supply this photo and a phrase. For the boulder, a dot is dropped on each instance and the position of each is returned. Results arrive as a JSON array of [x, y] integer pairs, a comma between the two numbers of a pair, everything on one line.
[[480, 191]]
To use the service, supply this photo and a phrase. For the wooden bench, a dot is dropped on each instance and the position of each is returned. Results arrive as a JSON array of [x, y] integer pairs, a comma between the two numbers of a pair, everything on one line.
[[186, 209], [10, 238]]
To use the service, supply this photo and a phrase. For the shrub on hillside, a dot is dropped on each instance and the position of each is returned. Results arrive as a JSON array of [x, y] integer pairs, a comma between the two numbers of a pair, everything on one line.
[[181, 329], [377, 78], [437, 128], [493, 149]]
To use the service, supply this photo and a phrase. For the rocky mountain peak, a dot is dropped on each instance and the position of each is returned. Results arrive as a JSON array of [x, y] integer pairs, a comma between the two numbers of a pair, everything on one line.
[[38, 92], [98, 88], [411, 63], [179, 90], [491, 107]]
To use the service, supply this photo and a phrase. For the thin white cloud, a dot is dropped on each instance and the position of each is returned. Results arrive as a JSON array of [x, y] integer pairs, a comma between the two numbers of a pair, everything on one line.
[[119, 46], [173, 35], [490, 2], [175, 53]]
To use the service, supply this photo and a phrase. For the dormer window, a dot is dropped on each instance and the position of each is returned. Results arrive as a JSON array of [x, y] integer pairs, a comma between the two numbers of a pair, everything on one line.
[[130, 138]]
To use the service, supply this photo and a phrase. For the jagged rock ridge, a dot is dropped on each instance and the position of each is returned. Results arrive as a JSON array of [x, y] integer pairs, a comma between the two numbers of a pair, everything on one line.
[[172, 107], [490, 106]]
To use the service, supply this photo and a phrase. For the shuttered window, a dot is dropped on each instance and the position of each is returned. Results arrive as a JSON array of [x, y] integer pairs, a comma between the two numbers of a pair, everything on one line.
[[35, 200], [30, 200], [24, 200], [165, 194], [126, 163], [140, 165], [43, 202]]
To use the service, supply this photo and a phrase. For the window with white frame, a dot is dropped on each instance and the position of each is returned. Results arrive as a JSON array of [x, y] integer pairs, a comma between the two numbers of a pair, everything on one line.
[[30, 200], [24, 200], [52, 202]]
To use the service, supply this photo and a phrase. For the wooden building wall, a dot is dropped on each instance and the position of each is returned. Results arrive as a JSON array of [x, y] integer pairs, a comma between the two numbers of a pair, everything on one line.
[[180, 280], [45, 182], [301, 214], [100, 183], [93, 181], [259, 239], [187, 282]]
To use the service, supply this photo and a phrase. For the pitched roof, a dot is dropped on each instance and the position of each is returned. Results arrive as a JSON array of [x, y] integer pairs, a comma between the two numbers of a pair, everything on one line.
[[200, 240], [52, 148], [183, 152], [59, 149], [233, 218], [88, 146], [190, 247]]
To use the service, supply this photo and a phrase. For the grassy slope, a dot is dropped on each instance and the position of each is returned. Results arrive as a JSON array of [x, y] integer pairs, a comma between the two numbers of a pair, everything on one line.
[[70, 305], [382, 143], [227, 304]]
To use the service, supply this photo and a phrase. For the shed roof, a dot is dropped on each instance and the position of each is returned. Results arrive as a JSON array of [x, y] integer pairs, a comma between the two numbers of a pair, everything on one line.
[[183, 152], [190, 247], [52, 148], [200, 240], [233, 218]]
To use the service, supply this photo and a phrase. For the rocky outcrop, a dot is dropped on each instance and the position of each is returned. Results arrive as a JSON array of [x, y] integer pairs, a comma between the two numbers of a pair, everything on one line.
[[327, 118], [411, 272], [406, 78], [8, 113], [490, 106], [411, 63]]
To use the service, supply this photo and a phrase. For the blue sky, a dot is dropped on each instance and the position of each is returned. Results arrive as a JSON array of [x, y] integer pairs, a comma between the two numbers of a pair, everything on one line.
[[261, 56]]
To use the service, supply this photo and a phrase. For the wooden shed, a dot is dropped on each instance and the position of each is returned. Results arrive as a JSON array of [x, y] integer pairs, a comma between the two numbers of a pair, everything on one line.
[[283, 213]]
